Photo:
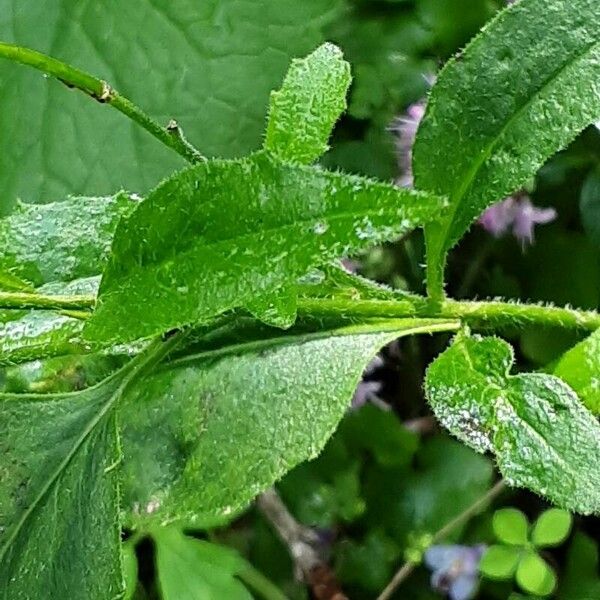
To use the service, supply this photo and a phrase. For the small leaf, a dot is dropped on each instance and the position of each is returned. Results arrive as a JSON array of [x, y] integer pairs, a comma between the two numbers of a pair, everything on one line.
[[207, 433], [190, 569], [511, 526], [130, 569], [217, 236], [11, 282], [60, 241], [580, 368], [551, 528], [518, 93], [535, 576], [542, 436], [303, 112], [500, 562]]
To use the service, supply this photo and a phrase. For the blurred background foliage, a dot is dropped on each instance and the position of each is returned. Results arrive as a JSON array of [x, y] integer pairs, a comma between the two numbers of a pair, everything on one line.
[[389, 478]]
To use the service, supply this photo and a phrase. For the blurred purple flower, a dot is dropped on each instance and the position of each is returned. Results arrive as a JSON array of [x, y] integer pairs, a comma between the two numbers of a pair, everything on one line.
[[367, 391], [406, 129], [455, 569], [518, 214]]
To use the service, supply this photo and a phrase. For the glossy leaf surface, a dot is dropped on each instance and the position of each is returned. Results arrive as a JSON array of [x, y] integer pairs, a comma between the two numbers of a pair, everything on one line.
[[543, 437], [224, 233]]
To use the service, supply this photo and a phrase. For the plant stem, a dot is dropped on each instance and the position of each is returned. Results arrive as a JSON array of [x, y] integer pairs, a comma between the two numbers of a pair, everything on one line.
[[263, 586], [25, 300], [102, 92], [408, 567], [493, 314]]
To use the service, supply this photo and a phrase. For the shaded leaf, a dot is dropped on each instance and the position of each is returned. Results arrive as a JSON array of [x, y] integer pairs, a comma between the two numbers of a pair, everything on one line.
[[190, 569], [517, 94], [59, 491], [217, 236], [542, 436], [205, 435], [580, 368], [224, 56], [589, 206], [303, 112]]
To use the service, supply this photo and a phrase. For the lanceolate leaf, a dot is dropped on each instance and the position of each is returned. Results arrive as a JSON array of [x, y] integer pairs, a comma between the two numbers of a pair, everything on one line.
[[205, 435], [580, 368], [519, 92], [303, 112], [543, 438], [59, 504], [60, 241], [221, 234]]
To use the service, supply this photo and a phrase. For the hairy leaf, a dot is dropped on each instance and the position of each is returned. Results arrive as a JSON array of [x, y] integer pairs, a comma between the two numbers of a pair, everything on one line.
[[518, 93], [190, 569], [224, 233], [33, 334], [580, 368], [212, 71], [542, 436], [59, 502], [303, 112], [206, 434], [60, 241]]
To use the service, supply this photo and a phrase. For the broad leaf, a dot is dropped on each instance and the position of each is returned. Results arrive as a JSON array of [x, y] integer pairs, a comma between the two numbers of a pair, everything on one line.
[[59, 501], [190, 569], [542, 436], [60, 241], [224, 233], [580, 368], [518, 93], [204, 435], [212, 71]]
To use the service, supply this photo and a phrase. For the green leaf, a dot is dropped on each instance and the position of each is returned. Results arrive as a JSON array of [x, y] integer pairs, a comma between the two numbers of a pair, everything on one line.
[[59, 495], [535, 576], [10, 282], [511, 526], [500, 562], [542, 436], [589, 205], [27, 335], [207, 433], [60, 241], [224, 233], [213, 70], [520, 91], [190, 569], [580, 580], [580, 368], [551, 528], [303, 112], [130, 569]]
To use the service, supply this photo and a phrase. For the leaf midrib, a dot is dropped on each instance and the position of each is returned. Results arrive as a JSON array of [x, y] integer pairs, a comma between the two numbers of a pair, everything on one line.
[[461, 190], [128, 374]]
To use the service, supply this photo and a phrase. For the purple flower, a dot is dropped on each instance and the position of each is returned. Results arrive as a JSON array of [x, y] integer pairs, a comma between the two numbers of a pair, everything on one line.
[[406, 129], [518, 214], [367, 391], [455, 569]]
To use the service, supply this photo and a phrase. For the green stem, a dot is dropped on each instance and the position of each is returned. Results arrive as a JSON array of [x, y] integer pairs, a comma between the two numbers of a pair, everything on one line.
[[493, 314], [409, 566], [102, 92], [25, 300], [263, 586]]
